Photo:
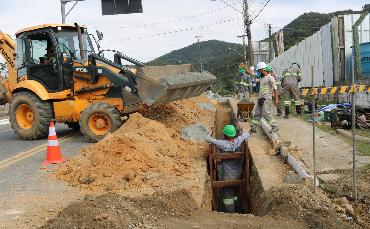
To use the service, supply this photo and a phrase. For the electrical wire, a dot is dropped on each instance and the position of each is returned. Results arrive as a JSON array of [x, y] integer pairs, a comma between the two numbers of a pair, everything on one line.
[[233, 7], [172, 20], [180, 30], [267, 2]]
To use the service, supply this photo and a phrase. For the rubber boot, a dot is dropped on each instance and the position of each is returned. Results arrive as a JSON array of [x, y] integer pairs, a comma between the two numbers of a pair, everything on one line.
[[298, 109], [310, 107], [230, 208], [286, 112], [278, 111]]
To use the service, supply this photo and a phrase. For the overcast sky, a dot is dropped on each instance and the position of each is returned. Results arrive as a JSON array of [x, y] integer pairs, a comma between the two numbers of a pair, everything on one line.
[[135, 34]]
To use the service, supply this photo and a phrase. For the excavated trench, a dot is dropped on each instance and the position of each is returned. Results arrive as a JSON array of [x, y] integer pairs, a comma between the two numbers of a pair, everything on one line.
[[158, 199], [226, 114], [150, 199]]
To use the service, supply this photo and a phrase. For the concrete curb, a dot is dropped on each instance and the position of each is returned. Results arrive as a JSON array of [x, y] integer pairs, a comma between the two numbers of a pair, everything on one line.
[[297, 166]]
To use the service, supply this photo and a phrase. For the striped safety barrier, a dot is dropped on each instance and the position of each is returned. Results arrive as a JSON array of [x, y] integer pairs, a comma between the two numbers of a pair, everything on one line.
[[335, 90]]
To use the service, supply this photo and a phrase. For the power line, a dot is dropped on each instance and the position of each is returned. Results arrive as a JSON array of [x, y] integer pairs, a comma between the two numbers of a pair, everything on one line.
[[180, 30], [233, 7], [173, 20], [261, 10]]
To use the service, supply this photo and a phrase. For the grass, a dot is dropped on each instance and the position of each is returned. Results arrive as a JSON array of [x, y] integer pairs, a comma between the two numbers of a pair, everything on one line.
[[362, 148]]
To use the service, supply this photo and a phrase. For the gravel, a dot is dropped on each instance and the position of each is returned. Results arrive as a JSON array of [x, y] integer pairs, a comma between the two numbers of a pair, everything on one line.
[[196, 132], [207, 106]]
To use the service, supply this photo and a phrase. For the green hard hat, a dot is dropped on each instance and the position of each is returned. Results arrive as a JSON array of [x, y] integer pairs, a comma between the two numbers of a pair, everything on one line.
[[268, 68], [241, 69], [230, 131]]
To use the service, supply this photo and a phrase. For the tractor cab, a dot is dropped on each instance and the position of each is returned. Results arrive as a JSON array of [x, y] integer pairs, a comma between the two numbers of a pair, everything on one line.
[[46, 54]]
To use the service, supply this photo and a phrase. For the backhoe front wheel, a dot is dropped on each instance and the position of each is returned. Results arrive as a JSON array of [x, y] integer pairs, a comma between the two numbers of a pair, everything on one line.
[[30, 116], [98, 120]]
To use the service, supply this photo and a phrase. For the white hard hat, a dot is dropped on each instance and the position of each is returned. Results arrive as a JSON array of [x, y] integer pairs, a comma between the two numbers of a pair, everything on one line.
[[252, 68], [261, 65]]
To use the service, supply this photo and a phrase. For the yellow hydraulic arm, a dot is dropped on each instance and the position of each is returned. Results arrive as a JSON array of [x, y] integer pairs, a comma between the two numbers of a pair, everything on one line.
[[7, 50]]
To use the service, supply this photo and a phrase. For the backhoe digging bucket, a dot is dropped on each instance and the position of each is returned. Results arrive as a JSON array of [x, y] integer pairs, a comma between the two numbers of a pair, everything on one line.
[[162, 84]]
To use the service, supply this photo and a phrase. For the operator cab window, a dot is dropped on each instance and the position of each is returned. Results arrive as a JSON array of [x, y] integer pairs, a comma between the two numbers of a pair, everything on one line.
[[21, 58], [39, 44], [42, 60]]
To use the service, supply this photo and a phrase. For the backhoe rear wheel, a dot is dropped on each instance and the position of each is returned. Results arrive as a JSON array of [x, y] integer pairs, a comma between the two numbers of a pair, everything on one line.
[[30, 116], [98, 120]]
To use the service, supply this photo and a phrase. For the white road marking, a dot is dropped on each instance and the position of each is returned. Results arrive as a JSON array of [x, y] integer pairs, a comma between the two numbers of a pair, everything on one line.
[[4, 131], [4, 121]]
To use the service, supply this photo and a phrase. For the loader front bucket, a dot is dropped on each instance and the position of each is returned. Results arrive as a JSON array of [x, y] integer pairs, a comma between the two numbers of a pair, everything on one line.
[[162, 84]]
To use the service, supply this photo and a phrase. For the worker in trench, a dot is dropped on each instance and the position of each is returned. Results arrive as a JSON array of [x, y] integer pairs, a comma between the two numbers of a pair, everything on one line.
[[263, 108], [231, 168], [289, 82]]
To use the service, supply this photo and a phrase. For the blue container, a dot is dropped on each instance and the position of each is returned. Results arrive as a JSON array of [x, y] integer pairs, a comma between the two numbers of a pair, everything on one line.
[[365, 58]]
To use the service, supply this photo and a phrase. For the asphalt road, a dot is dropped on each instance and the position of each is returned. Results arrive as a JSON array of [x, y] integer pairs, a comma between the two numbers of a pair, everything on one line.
[[27, 190], [20, 160]]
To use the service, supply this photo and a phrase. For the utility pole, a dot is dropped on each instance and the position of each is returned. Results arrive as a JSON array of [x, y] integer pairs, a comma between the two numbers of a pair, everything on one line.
[[244, 48], [200, 54], [63, 8], [270, 42], [247, 28]]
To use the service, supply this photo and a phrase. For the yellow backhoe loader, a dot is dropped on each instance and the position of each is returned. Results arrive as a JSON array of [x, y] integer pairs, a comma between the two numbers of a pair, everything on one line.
[[54, 73]]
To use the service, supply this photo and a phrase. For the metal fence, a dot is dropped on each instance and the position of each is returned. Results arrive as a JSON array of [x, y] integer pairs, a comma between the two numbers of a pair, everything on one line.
[[329, 51]]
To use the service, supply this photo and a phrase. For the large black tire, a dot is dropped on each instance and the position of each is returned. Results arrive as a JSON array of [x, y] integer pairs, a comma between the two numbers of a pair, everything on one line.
[[99, 111], [42, 113]]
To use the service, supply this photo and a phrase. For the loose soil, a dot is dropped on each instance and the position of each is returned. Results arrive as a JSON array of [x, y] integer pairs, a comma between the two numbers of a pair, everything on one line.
[[299, 202], [145, 156], [157, 211], [178, 115], [343, 188], [146, 176], [115, 211]]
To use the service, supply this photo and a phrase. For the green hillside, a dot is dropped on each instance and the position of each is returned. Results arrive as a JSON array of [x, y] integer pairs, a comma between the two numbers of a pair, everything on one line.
[[218, 57], [306, 25]]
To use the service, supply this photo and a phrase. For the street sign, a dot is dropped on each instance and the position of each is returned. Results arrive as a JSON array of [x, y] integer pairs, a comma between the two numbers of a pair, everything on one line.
[[112, 7]]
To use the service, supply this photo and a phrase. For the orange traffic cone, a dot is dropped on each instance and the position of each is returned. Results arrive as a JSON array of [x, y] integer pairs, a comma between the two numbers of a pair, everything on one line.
[[53, 154]]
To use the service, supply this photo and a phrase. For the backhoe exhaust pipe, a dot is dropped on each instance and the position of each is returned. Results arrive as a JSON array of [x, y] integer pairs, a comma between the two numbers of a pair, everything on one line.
[[80, 44]]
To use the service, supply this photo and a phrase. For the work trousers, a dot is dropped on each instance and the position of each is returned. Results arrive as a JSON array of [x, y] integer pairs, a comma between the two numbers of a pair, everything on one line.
[[230, 197], [291, 92], [279, 107], [263, 111]]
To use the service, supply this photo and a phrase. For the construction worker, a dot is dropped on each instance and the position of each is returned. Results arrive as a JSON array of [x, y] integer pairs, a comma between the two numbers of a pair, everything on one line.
[[279, 107], [242, 85], [231, 168], [289, 82], [264, 103], [50, 57]]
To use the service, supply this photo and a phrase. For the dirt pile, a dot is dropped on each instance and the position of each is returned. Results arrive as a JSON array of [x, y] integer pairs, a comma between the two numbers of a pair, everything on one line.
[[142, 157], [343, 188], [115, 211], [299, 202], [145, 156], [178, 115]]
